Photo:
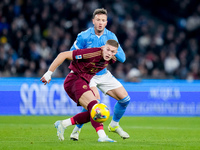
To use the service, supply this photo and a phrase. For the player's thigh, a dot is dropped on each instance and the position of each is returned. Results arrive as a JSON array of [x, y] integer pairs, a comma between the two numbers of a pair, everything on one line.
[[86, 98], [93, 86], [96, 92], [118, 93]]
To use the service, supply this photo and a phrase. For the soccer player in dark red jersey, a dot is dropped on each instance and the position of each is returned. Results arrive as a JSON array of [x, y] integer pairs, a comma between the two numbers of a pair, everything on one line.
[[97, 36], [84, 65]]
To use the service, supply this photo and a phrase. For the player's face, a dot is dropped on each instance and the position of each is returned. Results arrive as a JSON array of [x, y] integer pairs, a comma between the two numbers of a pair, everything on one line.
[[109, 51], [100, 22]]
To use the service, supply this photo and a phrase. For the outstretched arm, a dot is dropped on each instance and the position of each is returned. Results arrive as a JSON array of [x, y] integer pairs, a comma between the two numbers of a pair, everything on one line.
[[59, 60], [46, 78]]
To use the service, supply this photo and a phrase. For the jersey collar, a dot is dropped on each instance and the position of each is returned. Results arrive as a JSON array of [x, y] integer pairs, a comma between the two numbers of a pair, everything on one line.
[[104, 32]]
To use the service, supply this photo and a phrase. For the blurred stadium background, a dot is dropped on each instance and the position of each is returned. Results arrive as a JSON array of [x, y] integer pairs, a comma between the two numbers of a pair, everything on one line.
[[160, 38]]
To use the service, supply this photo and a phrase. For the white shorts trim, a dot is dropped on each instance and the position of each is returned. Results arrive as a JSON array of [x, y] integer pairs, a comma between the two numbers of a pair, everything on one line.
[[105, 82]]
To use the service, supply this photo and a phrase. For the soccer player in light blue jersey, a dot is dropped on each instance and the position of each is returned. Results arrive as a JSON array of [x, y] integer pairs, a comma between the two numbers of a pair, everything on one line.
[[96, 37]]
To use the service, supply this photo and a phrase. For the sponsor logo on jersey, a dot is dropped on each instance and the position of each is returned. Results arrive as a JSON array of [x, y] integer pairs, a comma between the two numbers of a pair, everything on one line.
[[78, 56]]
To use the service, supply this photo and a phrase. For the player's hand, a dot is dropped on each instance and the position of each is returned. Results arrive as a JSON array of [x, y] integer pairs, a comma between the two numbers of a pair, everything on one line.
[[46, 78]]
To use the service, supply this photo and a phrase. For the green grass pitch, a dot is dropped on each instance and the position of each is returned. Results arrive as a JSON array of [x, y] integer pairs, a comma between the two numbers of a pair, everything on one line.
[[146, 133]]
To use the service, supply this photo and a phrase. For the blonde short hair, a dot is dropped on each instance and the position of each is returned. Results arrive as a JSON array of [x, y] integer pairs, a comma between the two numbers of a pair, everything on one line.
[[113, 43]]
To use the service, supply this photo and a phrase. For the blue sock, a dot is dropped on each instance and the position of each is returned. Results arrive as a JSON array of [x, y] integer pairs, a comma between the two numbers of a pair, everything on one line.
[[120, 108], [81, 125]]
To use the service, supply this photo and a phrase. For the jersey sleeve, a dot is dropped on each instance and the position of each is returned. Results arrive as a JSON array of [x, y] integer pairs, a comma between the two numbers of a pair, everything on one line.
[[120, 53], [86, 53], [78, 43]]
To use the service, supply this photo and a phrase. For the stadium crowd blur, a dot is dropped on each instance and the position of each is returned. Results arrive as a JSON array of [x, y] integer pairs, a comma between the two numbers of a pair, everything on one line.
[[160, 38]]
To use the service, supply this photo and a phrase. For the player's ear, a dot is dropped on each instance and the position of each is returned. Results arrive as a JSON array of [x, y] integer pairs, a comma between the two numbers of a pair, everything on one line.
[[106, 22], [93, 21], [102, 47]]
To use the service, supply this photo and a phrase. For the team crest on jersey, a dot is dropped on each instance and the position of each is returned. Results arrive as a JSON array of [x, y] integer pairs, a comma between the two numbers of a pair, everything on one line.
[[78, 56], [84, 86]]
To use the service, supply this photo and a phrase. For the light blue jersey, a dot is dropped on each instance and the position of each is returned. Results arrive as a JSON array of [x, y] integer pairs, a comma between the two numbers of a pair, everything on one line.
[[88, 39]]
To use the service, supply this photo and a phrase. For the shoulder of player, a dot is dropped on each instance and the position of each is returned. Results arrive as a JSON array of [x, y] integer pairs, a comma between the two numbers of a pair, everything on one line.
[[85, 34], [92, 52], [94, 49], [88, 50], [109, 33]]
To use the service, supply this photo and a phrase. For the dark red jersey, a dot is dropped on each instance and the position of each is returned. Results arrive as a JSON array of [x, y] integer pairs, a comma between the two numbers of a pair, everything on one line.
[[87, 62]]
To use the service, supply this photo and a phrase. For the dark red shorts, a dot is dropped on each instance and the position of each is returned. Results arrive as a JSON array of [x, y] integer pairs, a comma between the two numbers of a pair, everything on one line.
[[75, 86]]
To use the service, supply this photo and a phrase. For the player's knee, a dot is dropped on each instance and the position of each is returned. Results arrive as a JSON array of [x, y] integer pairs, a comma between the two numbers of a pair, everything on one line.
[[125, 101], [97, 96]]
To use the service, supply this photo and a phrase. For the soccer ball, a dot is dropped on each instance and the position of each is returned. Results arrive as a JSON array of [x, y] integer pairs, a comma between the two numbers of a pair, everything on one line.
[[100, 113]]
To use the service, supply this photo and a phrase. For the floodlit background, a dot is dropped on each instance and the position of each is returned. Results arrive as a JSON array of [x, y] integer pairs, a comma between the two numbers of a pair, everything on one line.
[[160, 38], [161, 41]]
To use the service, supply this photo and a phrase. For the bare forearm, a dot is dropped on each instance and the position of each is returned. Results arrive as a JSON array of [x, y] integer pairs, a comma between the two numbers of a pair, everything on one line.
[[46, 78], [60, 59]]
